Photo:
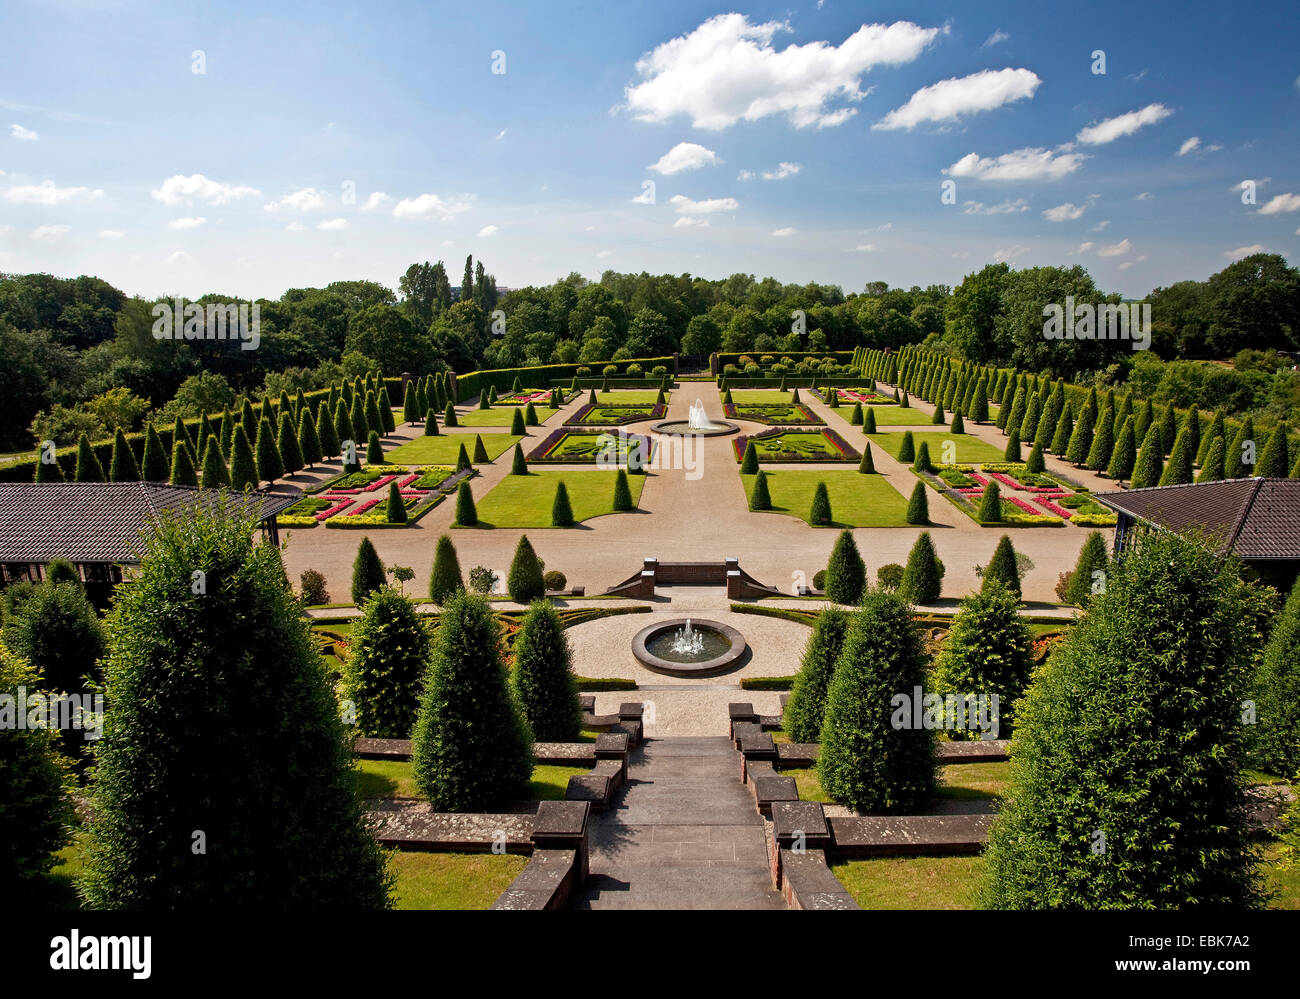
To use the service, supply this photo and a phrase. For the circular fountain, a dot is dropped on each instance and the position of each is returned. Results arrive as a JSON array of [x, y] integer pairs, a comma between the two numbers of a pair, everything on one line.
[[697, 423], [683, 647]]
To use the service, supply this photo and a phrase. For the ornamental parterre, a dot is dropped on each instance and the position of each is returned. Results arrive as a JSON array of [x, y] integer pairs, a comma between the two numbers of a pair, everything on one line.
[[615, 413], [786, 444], [794, 414]]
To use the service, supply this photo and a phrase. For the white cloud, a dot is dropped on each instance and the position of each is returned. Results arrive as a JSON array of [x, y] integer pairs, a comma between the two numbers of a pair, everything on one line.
[[1281, 203], [1119, 249], [1003, 254], [745, 175], [50, 233], [1122, 125], [186, 223], [1067, 212], [646, 197], [486, 231], [784, 231], [46, 193], [294, 227], [429, 204], [996, 38], [1003, 208], [684, 156], [1245, 251], [1189, 145], [697, 209], [863, 248], [181, 190], [1079, 250], [502, 134], [690, 220], [1022, 164], [377, 199], [1143, 196], [111, 233], [307, 200], [179, 257], [602, 254], [948, 100], [332, 225], [1100, 226], [782, 171], [23, 134], [727, 70], [590, 228]]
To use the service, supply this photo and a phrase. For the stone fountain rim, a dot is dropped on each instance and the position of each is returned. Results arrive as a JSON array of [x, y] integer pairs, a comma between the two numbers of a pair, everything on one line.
[[720, 428], [709, 666]]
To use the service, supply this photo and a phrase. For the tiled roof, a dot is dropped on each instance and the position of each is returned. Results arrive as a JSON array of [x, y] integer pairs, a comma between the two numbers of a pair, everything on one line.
[[102, 521], [1256, 518]]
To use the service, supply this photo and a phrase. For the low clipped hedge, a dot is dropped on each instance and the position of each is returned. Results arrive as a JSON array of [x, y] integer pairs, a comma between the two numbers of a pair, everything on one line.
[[767, 683], [597, 684], [502, 379]]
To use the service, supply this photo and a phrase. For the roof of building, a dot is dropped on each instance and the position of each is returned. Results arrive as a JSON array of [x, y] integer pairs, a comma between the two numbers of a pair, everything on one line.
[[90, 522], [1256, 518]]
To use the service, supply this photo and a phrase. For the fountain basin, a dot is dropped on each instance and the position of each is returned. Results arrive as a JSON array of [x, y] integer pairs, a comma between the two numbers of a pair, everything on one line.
[[723, 648], [683, 428]]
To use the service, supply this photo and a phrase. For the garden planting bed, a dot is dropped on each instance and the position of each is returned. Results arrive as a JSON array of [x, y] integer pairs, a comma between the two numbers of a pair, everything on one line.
[[851, 395], [785, 444], [792, 414], [590, 447], [1029, 499], [610, 414], [524, 397], [361, 499]]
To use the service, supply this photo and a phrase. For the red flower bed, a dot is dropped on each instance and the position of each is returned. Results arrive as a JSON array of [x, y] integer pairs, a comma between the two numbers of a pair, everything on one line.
[[362, 508], [342, 504], [978, 478], [408, 480], [1023, 505], [1051, 507], [380, 483]]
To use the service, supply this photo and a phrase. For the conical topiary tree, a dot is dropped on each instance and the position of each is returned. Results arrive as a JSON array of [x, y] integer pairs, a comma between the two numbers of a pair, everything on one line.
[[395, 508], [869, 761], [367, 572], [1012, 452], [272, 792], [749, 463], [1275, 459], [806, 709], [411, 402], [1178, 470], [122, 467], [431, 422], [922, 582], [480, 452], [1035, 463], [869, 421], [622, 493], [466, 512], [1212, 467], [918, 505], [462, 458], [182, 471], [542, 678], [215, 473], [1091, 821], [1002, 569], [530, 415], [384, 671], [471, 747], [518, 465], [1089, 571], [449, 416], [855, 416], [1275, 742], [958, 424], [922, 462], [1150, 461], [517, 423], [343, 430], [287, 444], [987, 653], [760, 498], [154, 466], [907, 447], [990, 511], [561, 509], [243, 470], [867, 466], [1124, 454], [49, 471], [820, 513], [1064, 432], [1207, 438], [1243, 447], [269, 464], [846, 576], [1103, 443], [309, 448], [524, 582], [445, 580], [1081, 439]]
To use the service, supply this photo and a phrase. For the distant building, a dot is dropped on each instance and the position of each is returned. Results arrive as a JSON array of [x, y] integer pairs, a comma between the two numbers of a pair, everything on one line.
[[1258, 520]]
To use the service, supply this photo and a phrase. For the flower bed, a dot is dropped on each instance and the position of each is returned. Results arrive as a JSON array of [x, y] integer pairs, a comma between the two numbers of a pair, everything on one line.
[[1015, 512], [794, 414], [376, 515], [785, 444], [852, 395], [357, 482], [587, 447], [525, 397], [612, 414]]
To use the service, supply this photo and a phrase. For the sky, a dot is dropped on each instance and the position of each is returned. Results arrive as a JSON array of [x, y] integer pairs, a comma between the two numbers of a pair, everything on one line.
[[243, 149]]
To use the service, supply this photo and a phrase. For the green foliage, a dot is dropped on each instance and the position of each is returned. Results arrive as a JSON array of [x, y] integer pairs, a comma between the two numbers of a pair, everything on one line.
[[958, 424], [561, 509], [867, 466], [1234, 458], [56, 631], [820, 513], [269, 464], [1035, 463], [466, 511], [922, 462], [384, 671], [480, 452], [990, 511], [374, 449], [806, 708], [542, 678], [517, 423], [749, 464], [123, 467], [869, 421], [1150, 461], [918, 505], [1178, 471], [761, 497], [221, 718], [367, 572], [907, 447], [1124, 454], [867, 762], [243, 472], [922, 580], [1274, 462], [154, 466], [309, 447], [987, 652], [431, 423], [1212, 467], [524, 582], [215, 473], [472, 747], [1103, 443], [1002, 571], [1081, 439], [1093, 558], [449, 417], [1275, 744], [395, 508], [622, 492], [182, 472], [445, 579], [287, 445], [846, 576], [1132, 730], [1012, 453], [518, 465]]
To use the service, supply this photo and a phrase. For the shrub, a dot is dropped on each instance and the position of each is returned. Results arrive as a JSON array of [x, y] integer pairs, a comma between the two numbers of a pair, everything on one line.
[[1178, 471], [890, 576], [1150, 461], [922, 580], [1124, 454], [806, 709], [819, 580], [846, 576], [482, 580], [958, 424], [530, 415], [60, 570], [466, 512], [153, 462], [760, 498], [622, 492], [1212, 470], [182, 473], [867, 466], [215, 473], [1012, 452], [56, 631], [449, 416], [869, 421], [918, 505], [907, 447], [542, 678], [555, 580], [1163, 657], [444, 579], [269, 464], [749, 464], [820, 514], [1034, 463], [35, 810], [395, 508], [922, 462], [222, 719], [990, 511], [122, 467], [471, 748], [987, 653], [561, 509], [1276, 742], [517, 423], [524, 583], [312, 584], [867, 762], [1002, 570], [367, 572], [383, 673], [480, 452]]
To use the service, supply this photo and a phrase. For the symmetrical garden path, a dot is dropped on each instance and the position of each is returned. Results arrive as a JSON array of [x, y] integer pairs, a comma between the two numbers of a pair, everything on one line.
[[683, 834]]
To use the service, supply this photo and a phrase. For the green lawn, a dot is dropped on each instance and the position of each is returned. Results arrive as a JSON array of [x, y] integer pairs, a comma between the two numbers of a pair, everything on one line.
[[442, 450], [499, 416], [452, 880], [626, 395], [856, 500], [393, 779], [968, 448], [892, 416], [961, 780], [760, 396], [912, 882], [525, 500]]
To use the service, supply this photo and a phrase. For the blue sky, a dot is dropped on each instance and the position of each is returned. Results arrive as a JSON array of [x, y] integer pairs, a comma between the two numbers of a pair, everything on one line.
[[332, 141]]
